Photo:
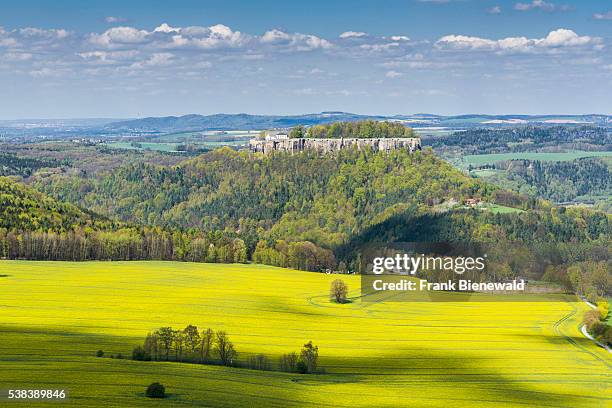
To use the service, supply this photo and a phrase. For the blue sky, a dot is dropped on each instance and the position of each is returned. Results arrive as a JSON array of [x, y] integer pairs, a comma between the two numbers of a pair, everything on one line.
[[136, 58]]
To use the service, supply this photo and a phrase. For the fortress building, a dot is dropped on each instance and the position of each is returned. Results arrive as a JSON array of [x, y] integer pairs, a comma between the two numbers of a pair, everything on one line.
[[329, 145]]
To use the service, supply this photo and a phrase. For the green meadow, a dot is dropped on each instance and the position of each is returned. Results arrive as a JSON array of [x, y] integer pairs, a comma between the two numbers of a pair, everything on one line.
[[54, 316]]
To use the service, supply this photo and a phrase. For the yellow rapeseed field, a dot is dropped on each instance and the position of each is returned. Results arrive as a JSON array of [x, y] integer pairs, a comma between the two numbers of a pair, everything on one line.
[[54, 316]]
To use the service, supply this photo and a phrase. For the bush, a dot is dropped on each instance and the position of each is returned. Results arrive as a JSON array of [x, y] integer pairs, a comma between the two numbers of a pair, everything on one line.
[[606, 338], [99, 353], [156, 390], [598, 329], [301, 367], [139, 354]]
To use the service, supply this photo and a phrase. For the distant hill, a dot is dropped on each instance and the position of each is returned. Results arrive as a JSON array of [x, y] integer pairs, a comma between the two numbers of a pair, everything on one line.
[[243, 121], [230, 122]]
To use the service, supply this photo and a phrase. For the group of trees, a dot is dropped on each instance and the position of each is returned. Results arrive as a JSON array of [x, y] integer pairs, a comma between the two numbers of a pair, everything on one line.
[[206, 346], [306, 362], [187, 345], [564, 181], [302, 255], [595, 322], [365, 129]]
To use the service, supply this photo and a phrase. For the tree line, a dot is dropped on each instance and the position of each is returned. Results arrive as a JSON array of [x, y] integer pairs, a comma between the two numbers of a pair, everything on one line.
[[123, 244], [206, 346], [364, 129]]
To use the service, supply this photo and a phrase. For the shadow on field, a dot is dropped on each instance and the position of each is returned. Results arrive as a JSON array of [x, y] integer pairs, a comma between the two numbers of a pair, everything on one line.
[[402, 376], [434, 377]]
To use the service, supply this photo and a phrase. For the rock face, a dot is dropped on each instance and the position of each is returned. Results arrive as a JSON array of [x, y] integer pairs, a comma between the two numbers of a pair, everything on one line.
[[330, 145]]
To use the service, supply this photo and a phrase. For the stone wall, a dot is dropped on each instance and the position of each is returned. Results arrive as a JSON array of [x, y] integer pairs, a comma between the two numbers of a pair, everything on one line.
[[329, 145]]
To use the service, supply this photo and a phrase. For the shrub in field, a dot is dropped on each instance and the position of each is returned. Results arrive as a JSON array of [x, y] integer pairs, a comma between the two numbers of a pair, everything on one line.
[[140, 354], [156, 390], [99, 353], [301, 367]]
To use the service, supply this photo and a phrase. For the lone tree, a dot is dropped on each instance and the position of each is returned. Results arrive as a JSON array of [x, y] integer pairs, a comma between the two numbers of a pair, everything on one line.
[[156, 390], [338, 291]]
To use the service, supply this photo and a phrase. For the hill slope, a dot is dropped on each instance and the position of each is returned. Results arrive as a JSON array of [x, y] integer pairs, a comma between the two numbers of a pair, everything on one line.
[[325, 199], [23, 208]]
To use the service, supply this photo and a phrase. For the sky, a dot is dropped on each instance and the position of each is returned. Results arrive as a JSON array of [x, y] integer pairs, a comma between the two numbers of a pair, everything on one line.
[[120, 59]]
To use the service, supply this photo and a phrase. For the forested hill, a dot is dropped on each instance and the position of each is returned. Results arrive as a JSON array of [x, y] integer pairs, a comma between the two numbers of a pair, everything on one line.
[[324, 199], [306, 211], [23, 208], [522, 139]]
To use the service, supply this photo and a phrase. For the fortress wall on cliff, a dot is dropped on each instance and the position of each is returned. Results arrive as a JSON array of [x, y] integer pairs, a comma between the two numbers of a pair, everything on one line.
[[329, 145]]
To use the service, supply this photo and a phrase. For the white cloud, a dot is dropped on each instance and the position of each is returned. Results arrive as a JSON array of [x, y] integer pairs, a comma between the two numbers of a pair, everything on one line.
[[166, 36], [494, 10], [114, 19], [158, 59], [535, 4], [8, 42], [560, 38], [17, 56], [380, 47], [108, 57], [45, 72], [353, 34], [119, 36], [603, 16], [42, 33], [304, 91], [393, 74], [165, 28], [294, 41], [399, 38]]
